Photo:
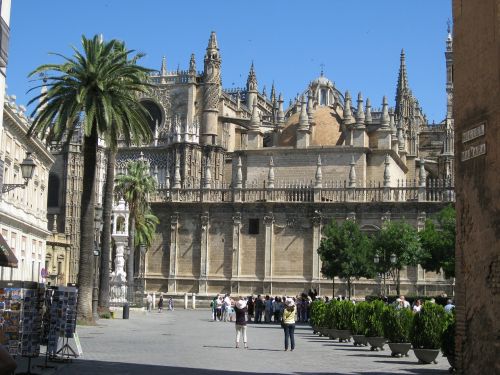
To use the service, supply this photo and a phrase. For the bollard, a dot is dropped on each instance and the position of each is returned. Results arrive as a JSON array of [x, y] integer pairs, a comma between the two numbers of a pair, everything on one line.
[[193, 300], [126, 311], [185, 301]]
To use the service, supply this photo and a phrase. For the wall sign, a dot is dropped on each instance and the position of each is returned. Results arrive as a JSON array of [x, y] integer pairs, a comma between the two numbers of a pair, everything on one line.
[[473, 151]]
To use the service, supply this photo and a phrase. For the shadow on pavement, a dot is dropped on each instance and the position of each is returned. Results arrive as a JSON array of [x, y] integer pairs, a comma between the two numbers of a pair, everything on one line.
[[84, 367]]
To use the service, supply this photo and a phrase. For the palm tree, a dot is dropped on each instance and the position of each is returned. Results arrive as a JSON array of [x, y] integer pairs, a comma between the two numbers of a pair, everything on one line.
[[97, 90], [104, 276], [135, 186]]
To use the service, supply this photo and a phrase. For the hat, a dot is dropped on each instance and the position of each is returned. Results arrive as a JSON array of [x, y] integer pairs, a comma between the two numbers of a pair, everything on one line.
[[289, 302], [241, 304]]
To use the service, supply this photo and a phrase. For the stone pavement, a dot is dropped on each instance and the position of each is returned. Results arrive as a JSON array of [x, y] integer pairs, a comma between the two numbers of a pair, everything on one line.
[[187, 342]]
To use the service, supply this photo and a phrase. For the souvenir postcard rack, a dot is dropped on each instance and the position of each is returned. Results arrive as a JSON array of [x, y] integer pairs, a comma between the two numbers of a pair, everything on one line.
[[21, 309]]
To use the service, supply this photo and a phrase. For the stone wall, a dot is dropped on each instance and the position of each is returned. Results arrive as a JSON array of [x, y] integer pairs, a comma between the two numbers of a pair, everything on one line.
[[266, 247], [477, 101]]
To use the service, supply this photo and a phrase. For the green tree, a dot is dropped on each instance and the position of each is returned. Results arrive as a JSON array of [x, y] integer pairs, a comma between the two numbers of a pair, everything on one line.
[[345, 252], [95, 92], [135, 186], [438, 241], [397, 245], [145, 228]]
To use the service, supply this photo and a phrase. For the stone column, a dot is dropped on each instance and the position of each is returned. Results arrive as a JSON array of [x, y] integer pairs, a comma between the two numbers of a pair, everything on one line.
[[202, 283], [316, 264], [236, 266], [172, 274], [268, 252]]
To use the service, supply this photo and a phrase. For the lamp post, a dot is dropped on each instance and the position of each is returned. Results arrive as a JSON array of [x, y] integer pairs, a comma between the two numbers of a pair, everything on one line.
[[392, 259], [97, 228], [27, 170]]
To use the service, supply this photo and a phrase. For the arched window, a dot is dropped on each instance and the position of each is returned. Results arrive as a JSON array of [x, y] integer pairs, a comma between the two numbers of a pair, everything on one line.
[[53, 190]]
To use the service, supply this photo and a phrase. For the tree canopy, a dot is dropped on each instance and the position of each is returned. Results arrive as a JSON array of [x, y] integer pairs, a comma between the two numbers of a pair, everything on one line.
[[345, 252], [438, 241], [400, 239]]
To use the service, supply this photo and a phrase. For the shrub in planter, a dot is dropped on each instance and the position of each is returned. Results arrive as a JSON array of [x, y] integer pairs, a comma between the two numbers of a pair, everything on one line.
[[448, 340], [375, 331], [343, 312], [318, 308], [374, 319], [427, 330], [397, 325], [359, 323], [330, 318]]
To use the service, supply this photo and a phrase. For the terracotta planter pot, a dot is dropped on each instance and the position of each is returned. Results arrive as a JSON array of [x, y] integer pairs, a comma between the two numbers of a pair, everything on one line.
[[426, 355], [376, 343], [344, 335], [360, 340], [399, 349]]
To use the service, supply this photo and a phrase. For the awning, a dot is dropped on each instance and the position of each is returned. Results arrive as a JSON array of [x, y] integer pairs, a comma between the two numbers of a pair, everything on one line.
[[7, 257]]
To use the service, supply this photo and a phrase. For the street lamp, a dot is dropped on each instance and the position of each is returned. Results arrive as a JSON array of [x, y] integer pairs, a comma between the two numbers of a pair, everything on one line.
[[393, 259], [97, 228], [27, 170]]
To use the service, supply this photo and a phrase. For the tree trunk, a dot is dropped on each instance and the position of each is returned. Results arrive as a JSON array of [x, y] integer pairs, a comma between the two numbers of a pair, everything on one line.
[[86, 269], [106, 231], [333, 287], [131, 256], [348, 288]]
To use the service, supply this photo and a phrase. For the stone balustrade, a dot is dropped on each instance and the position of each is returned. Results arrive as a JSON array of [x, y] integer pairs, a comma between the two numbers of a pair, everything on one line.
[[405, 191]]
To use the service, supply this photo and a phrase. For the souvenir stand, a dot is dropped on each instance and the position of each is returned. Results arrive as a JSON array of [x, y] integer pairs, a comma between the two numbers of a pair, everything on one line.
[[21, 307], [62, 322]]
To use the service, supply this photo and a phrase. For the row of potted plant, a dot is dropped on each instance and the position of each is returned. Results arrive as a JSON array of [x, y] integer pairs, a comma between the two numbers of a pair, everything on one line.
[[375, 324]]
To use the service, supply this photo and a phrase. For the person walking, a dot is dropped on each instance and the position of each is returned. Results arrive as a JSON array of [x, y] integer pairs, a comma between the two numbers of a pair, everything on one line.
[[171, 304], [160, 304], [250, 306], [259, 306], [289, 323], [241, 310]]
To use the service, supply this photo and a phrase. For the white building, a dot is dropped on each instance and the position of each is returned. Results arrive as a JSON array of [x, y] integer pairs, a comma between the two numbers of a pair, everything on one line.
[[23, 211]]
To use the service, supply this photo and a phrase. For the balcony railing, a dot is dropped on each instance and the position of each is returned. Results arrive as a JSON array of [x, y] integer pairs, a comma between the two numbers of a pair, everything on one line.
[[4, 43]]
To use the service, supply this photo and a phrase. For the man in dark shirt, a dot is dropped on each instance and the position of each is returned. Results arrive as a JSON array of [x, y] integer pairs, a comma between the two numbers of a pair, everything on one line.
[[241, 310]]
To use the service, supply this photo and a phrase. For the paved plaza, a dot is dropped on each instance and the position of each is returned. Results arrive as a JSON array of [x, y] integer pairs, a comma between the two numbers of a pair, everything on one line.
[[187, 342]]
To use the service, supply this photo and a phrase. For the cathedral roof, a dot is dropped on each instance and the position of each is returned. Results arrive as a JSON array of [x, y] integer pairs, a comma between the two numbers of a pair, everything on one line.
[[326, 130]]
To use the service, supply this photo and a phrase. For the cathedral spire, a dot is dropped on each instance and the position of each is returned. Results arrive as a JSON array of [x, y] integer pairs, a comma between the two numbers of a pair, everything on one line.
[[303, 118], [281, 113], [273, 93], [360, 114], [192, 64], [163, 70], [252, 79], [384, 120], [212, 42], [348, 120], [368, 113], [403, 92]]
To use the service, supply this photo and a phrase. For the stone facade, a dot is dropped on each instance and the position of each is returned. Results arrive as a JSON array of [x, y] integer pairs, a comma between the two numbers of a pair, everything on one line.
[[477, 116], [245, 186]]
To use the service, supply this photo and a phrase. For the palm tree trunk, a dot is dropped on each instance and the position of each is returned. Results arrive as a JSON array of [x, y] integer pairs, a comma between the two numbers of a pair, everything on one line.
[[86, 269], [106, 231], [131, 256]]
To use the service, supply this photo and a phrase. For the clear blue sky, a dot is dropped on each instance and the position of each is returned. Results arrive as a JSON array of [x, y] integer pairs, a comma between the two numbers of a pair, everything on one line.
[[358, 41]]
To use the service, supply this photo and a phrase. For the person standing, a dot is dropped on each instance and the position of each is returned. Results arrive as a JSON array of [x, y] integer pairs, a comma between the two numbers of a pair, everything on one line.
[[250, 306], [160, 304], [241, 310], [259, 306], [149, 300], [289, 323]]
